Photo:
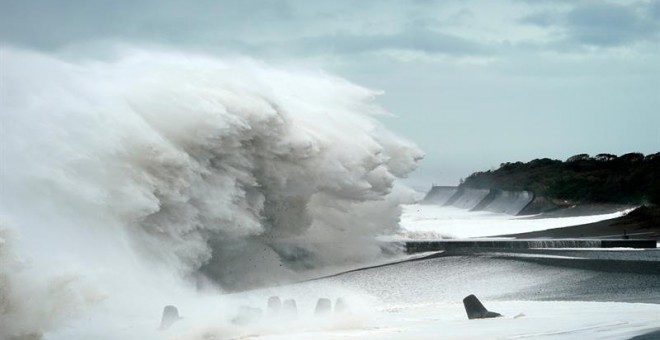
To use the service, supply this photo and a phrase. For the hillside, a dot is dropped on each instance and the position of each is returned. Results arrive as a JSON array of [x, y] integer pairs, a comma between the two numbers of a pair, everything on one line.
[[605, 178]]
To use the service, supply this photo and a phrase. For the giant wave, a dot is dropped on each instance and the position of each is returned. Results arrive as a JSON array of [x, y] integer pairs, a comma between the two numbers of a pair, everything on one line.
[[161, 172]]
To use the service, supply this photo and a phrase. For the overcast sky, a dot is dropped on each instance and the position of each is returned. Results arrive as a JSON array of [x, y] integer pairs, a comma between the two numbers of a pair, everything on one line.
[[473, 83]]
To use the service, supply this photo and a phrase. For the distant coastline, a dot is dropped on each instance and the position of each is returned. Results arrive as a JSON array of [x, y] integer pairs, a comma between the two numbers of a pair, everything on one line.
[[630, 179], [581, 185], [641, 223]]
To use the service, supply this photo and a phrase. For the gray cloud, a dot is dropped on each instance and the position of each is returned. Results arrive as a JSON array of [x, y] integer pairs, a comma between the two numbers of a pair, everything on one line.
[[542, 19], [247, 26], [654, 10], [545, 2], [533, 84], [602, 24], [605, 24], [412, 38], [50, 24]]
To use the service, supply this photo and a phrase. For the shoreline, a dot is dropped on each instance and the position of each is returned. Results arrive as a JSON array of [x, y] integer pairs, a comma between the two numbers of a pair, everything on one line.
[[641, 223]]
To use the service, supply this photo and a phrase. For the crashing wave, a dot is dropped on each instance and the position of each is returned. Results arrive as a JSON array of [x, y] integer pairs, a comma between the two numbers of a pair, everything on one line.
[[223, 171]]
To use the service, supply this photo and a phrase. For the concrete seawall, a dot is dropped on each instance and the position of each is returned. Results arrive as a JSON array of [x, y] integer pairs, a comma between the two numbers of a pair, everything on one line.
[[508, 202], [439, 194], [437, 245], [468, 198]]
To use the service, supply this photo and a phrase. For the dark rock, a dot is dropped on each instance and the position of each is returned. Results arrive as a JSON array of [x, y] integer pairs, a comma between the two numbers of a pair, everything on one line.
[[274, 305], [475, 310], [323, 306], [290, 307], [170, 316]]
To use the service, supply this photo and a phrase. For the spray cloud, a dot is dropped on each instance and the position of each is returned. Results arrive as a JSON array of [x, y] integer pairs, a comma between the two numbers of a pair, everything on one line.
[[191, 167]]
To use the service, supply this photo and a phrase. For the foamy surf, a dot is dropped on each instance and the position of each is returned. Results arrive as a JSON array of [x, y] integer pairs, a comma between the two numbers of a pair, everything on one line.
[[420, 221]]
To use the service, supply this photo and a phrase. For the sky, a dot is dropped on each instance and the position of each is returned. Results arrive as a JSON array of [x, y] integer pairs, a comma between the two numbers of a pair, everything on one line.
[[473, 83]]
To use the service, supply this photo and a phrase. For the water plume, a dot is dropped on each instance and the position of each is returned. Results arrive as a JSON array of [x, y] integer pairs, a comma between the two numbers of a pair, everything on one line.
[[161, 168]]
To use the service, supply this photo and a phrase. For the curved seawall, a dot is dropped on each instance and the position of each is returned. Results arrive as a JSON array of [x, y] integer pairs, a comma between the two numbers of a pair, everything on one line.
[[507, 202], [499, 201], [439, 195], [468, 198], [437, 245]]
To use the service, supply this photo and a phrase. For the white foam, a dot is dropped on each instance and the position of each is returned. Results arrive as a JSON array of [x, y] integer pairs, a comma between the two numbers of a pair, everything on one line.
[[555, 320], [451, 222], [142, 178]]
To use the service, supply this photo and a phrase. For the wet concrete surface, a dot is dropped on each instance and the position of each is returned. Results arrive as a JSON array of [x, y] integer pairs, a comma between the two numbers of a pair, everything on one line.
[[543, 275]]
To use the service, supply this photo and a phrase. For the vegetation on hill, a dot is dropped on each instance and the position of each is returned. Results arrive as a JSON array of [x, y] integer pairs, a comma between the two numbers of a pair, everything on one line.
[[604, 178]]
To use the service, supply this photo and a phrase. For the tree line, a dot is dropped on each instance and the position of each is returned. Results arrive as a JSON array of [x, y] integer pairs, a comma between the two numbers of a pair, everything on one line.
[[604, 178]]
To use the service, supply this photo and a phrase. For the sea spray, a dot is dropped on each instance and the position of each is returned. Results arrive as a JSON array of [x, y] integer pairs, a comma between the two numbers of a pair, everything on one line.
[[158, 174]]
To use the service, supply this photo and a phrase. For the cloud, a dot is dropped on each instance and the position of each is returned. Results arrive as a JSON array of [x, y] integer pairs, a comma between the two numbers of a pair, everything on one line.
[[605, 24], [601, 24], [542, 19], [418, 38], [52, 24], [258, 28], [464, 65]]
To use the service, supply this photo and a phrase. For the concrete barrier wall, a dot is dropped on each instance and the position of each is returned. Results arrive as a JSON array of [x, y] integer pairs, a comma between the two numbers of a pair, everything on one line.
[[439, 195], [507, 202], [468, 198], [437, 245]]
